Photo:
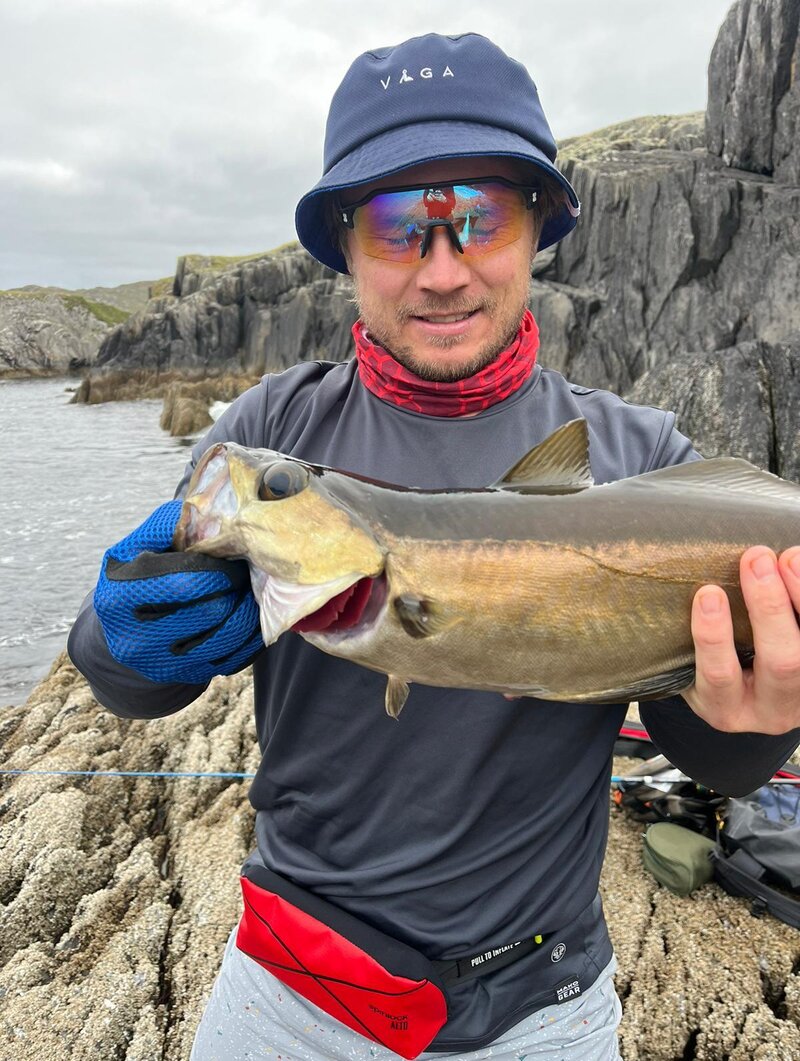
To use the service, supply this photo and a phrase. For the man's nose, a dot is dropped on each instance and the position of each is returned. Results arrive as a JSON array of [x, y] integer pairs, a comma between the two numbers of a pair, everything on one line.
[[443, 268]]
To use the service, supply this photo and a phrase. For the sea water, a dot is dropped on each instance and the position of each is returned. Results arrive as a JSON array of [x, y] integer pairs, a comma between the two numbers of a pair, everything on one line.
[[75, 479]]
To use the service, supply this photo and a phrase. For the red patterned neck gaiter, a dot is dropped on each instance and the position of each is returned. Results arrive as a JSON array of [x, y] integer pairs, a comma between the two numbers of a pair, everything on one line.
[[388, 379]]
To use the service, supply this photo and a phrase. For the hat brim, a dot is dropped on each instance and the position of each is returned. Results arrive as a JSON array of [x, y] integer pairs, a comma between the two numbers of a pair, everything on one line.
[[409, 145]]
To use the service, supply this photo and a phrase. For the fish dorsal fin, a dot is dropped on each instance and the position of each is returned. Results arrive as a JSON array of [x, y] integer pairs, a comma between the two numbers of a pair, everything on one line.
[[726, 474], [559, 465]]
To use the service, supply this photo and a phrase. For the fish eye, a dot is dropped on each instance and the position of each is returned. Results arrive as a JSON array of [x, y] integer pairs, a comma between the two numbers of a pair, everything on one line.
[[281, 480]]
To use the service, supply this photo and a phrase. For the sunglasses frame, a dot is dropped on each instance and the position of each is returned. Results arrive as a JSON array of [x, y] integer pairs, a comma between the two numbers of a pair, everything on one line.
[[530, 194]]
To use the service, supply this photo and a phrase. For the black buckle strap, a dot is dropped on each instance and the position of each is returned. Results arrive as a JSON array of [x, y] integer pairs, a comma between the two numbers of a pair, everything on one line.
[[458, 970]]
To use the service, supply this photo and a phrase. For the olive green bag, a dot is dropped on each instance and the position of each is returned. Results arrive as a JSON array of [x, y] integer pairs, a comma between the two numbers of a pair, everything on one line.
[[678, 858]]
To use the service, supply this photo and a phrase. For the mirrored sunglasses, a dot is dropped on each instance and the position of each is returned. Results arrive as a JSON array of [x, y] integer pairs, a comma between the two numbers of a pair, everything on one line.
[[480, 216]]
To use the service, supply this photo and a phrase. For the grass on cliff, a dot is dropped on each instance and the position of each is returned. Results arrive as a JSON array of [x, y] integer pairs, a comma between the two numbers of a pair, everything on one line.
[[161, 288], [651, 132], [109, 315], [213, 263]]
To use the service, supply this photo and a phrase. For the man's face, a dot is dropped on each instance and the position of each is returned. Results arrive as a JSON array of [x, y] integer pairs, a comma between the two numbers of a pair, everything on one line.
[[402, 304]]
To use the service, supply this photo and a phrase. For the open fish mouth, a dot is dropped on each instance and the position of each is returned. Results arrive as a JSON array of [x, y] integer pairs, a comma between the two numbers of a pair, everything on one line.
[[213, 499], [341, 608], [350, 612]]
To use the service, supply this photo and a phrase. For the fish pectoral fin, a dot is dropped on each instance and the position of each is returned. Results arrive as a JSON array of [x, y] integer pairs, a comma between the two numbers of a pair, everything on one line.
[[396, 695], [655, 687], [559, 465], [422, 617], [652, 688]]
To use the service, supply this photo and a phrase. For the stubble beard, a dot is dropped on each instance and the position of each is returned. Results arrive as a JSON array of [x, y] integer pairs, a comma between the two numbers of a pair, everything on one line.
[[382, 331]]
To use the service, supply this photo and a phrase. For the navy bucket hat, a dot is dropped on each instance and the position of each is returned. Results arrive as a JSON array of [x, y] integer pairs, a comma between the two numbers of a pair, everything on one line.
[[429, 98]]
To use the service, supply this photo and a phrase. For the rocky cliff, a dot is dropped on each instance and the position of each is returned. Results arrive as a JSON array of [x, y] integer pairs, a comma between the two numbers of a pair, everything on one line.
[[257, 315], [753, 99], [51, 332], [687, 258]]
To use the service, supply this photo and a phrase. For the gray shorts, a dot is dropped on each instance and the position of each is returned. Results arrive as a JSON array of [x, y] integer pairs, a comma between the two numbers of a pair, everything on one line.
[[251, 1014]]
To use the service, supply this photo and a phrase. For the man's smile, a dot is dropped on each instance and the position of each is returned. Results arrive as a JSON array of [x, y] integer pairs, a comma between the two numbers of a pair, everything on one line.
[[452, 324]]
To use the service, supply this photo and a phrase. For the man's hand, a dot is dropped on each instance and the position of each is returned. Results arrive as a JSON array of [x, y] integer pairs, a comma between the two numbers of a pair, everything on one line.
[[766, 698], [173, 616]]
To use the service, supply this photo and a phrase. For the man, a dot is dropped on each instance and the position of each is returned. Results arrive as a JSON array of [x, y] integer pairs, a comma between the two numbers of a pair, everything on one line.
[[474, 828]]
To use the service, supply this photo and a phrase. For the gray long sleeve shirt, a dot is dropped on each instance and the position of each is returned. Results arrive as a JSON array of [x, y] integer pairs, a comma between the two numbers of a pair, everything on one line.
[[474, 821]]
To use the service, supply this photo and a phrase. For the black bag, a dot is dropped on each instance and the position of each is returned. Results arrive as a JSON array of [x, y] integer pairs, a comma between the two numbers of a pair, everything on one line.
[[682, 825], [759, 847], [685, 803]]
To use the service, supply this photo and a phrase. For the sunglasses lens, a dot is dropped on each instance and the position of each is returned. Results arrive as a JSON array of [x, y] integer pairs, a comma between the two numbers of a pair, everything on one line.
[[484, 217]]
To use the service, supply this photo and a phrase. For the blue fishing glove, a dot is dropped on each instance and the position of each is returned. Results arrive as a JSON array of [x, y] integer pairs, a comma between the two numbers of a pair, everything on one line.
[[173, 616]]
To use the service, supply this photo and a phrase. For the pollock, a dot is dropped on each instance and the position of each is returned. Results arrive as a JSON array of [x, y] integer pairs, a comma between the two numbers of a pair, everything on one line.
[[542, 585]]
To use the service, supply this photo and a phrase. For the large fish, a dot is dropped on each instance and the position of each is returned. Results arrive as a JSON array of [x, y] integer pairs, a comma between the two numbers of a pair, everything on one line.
[[542, 585]]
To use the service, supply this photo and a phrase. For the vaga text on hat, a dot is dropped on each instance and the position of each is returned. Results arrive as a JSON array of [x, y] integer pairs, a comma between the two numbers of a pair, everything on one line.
[[430, 97]]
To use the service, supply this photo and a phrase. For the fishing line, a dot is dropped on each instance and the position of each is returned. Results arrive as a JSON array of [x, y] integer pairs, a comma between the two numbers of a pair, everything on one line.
[[129, 773], [647, 779]]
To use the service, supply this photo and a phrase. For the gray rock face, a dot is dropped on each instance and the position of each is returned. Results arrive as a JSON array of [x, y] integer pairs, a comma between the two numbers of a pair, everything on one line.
[[690, 239], [685, 273], [754, 92], [46, 333], [741, 402], [675, 252], [187, 403], [258, 316]]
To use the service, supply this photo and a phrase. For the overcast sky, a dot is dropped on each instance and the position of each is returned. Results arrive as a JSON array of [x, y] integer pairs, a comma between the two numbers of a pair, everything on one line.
[[133, 131]]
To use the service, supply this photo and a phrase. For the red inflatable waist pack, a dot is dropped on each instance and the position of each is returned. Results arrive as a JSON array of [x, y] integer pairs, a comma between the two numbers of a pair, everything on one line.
[[378, 986]]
